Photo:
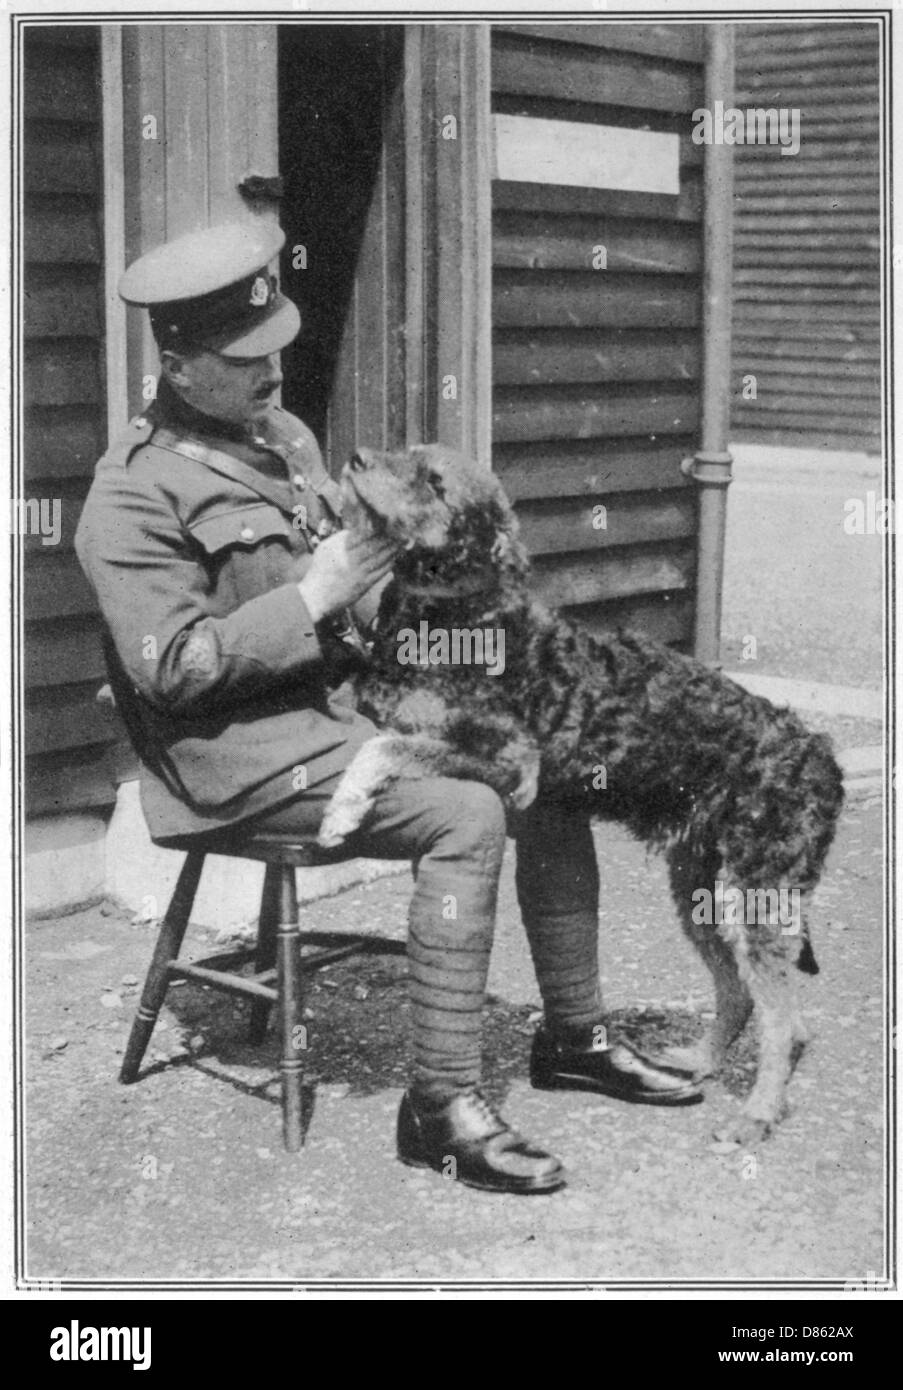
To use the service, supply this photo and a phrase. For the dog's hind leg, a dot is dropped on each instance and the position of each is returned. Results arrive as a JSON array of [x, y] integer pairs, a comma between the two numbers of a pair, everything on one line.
[[375, 763], [690, 871], [769, 950], [772, 990], [387, 757]]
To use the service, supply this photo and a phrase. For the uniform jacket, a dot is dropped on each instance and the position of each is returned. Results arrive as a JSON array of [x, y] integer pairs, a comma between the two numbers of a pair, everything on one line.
[[194, 538]]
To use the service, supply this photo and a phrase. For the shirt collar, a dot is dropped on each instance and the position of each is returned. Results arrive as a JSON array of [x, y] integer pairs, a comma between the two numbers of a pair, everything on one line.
[[172, 410]]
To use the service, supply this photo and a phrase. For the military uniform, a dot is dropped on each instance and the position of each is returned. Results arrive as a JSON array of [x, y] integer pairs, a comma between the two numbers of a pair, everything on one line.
[[194, 538]]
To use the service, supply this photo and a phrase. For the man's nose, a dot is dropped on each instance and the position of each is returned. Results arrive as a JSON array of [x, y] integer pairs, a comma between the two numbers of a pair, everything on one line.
[[272, 370]]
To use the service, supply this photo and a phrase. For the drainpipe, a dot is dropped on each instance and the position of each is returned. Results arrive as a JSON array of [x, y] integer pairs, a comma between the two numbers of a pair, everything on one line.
[[710, 466]]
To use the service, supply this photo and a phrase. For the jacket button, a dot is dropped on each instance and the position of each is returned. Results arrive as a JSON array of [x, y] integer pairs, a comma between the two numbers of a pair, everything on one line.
[[139, 422], [299, 480], [246, 533]]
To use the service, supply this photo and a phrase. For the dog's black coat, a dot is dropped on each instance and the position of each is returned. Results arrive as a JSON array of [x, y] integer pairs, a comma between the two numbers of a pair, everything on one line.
[[726, 784]]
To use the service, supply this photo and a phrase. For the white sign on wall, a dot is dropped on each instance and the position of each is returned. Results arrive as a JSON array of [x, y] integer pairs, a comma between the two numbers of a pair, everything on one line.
[[531, 150]]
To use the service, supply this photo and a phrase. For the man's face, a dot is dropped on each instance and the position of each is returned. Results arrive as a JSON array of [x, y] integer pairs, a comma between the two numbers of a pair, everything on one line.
[[236, 389]]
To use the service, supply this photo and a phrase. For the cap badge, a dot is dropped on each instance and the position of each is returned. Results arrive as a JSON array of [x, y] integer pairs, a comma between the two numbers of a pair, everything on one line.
[[260, 292]]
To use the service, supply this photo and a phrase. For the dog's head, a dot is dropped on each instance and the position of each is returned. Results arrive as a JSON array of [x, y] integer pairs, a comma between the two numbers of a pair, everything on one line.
[[449, 515]]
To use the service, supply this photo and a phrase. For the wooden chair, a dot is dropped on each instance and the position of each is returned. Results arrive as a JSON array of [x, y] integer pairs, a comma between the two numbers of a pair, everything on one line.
[[278, 976], [280, 967]]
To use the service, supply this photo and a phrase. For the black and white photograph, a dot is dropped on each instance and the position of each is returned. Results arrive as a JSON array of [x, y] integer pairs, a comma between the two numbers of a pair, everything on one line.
[[451, 714]]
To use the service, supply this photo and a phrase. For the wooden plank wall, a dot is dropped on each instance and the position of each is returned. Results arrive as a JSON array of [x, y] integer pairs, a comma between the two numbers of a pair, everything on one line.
[[211, 88], [67, 735], [806, 298], [596, 372]]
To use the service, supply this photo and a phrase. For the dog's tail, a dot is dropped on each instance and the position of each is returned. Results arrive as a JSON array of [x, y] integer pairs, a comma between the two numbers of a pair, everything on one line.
[[806, 961]]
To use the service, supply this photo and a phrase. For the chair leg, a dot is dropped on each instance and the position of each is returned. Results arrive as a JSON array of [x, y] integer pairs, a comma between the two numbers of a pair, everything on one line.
[[265, 957], [291, 1008], [169, 942]]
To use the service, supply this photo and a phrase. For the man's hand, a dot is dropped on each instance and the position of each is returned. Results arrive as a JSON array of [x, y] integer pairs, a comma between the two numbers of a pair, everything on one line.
[[344, 567], [367, 606]]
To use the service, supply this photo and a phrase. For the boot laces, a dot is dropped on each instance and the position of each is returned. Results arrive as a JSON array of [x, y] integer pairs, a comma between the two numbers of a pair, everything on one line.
[[485, 1110]]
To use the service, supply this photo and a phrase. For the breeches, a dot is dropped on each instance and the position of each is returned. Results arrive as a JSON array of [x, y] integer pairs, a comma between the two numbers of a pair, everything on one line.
[[453, 832]]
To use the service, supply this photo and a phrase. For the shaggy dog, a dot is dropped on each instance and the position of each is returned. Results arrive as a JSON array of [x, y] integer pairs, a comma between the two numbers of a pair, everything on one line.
[[741, 798]]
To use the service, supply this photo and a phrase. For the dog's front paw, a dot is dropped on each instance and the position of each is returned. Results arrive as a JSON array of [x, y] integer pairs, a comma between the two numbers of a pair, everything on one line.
[[696, 1060]]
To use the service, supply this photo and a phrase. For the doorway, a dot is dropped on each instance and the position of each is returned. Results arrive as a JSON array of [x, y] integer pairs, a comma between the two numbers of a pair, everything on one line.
[[340, 156]]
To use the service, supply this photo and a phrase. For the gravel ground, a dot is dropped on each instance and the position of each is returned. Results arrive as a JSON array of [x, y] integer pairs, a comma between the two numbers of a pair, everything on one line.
[[182, 1176], [807, 591]]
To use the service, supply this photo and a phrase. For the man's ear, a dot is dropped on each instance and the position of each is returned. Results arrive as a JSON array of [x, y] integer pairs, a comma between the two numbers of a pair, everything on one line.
[[175, 368]]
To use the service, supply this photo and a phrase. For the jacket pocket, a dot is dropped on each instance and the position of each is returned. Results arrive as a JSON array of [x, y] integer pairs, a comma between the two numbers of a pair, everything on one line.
[[245, 550], [244, 526]]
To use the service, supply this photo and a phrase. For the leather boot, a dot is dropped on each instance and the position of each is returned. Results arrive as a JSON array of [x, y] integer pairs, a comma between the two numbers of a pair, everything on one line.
[[464, 1139], [575, 1063]]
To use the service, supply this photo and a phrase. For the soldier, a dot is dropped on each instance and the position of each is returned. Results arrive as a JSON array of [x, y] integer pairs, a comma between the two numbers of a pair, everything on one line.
[[212, 538]]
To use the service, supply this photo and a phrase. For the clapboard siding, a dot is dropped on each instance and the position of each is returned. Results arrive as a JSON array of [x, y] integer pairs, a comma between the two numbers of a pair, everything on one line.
[[671, 41], [62, 302], [559, 357], [572, 413], [62, 79], [55, 587], [62, 442], [577, 468], [664, 617], [81, 781], [592, 299], [544, 242], [67, 652], [572, 580], [596, 371], [556, 528], [611, 203], [67, 736], [807, 240], [526, 65], [63, 373]]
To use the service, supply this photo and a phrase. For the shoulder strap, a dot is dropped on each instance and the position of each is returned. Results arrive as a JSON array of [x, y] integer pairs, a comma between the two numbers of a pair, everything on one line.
[[138, 431], [270, 489]]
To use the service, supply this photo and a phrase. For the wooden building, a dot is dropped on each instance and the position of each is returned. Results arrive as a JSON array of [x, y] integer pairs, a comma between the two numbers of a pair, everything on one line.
[[501, 238], [807, 280]]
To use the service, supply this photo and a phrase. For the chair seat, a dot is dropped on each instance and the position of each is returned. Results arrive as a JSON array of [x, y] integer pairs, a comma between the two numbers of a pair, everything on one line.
[[271, 847]]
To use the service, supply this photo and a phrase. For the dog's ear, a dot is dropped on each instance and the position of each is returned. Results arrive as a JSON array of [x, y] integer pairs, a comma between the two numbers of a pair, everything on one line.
[[508, 550]]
